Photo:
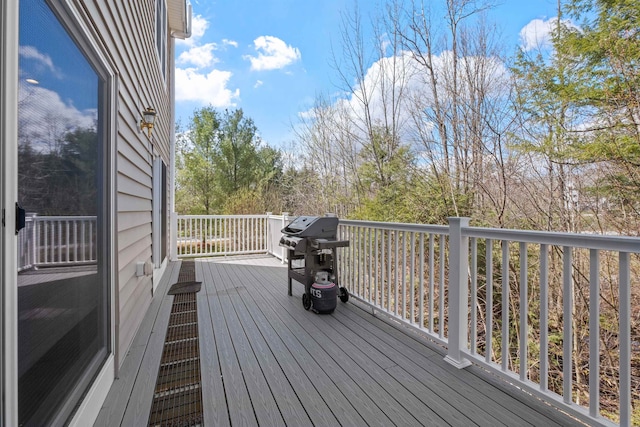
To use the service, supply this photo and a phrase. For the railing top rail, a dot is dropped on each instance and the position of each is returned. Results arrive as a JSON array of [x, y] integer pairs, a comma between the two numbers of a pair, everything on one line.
[[64, 218], [588, 241], [222, 216], [398, 226]]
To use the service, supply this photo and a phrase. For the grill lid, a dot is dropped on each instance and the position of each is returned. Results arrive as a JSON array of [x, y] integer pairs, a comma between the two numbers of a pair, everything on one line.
[[323, 227]]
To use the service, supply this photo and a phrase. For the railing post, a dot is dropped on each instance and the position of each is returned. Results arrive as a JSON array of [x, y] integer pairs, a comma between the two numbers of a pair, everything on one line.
[[174, 236], [267, 234], [458, 293], [285, 218]]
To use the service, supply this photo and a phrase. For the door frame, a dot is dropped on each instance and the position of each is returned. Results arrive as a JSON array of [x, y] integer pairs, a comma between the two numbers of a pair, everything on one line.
[[78, 24], [8, 197]]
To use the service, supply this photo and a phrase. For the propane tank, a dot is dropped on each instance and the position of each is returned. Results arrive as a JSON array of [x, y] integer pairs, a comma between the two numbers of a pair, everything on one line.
[[323, 293]]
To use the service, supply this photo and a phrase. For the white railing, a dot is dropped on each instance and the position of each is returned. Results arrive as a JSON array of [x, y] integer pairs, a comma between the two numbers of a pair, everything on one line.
[[372, 269], [211, 235], [57, 241], [441, 280], [275, 224], [468, 289]]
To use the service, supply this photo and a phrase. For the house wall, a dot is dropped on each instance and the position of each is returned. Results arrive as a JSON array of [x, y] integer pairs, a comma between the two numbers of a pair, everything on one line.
[[127, 30]]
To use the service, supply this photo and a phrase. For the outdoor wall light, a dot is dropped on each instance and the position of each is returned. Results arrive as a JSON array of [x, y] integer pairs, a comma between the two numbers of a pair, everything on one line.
[[148, 118]]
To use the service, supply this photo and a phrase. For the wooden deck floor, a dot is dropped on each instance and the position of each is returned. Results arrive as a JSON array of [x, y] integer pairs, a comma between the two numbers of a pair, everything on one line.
[[266, 361]]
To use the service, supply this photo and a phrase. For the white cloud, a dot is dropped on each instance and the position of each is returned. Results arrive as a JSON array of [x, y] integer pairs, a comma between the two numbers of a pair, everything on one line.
[[45, 117], [200, 56], [30, 52], [207, 89], [228, 42], [410, 80], [273, 54], [537, 33], [258, 84]]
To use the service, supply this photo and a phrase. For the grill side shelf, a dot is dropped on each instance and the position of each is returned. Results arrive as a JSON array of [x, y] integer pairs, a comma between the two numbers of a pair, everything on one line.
[[329, 244]]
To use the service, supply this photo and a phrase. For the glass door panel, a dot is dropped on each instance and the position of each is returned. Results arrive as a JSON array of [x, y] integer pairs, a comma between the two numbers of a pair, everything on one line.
[[62, 286]]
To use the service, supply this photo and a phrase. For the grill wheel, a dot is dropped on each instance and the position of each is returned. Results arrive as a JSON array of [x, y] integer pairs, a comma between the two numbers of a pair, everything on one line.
[[344, 294], [306, 301]]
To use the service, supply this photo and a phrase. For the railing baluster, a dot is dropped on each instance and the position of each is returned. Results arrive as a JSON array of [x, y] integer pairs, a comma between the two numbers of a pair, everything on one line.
[[441, 288], [389, 271], [352, 258], [395, 288], [567, 335], [64, 241], [412, 278], [205, 238], [376, 274], [504, 342], [625, 338], [93, 249], [473, 333], [361, 262], [524, 309], [42, 243], [83, 238], [488, 334], [59, 257], [36, 241], [75, 241], [214, 230], [421, 291], [594, 333], [432, 272], [544, 317], [404, 275], [188, 236], [383, 256], [368, 257]]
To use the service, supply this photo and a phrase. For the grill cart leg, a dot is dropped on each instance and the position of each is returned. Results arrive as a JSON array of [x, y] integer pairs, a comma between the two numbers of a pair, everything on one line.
[[290, 258]]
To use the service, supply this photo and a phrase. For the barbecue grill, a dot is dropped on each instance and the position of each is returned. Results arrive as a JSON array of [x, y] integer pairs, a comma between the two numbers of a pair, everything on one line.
[[312, 241]]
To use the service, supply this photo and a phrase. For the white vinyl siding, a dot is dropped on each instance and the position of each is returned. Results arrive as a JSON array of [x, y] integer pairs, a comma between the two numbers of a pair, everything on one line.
[[129, 32]]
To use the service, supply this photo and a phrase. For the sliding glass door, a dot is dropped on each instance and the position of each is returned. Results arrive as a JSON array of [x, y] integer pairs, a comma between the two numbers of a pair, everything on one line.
[[62, 257]]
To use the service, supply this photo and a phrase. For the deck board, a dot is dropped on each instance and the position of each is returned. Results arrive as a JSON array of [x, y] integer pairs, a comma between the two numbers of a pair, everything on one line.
[[306, 376], [368, 365], [215, 409], [324, 403], [472, 388], [238, 400], [266, 361], [357, 387], [475, 389], [121, 397]]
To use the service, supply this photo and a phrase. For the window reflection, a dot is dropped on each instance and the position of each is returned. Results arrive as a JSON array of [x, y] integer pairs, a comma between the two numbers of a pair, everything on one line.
[[61, 282]]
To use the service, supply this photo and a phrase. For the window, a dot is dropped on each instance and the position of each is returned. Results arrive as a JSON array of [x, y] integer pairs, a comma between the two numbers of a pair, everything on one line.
[[159, 212], [161, 34]]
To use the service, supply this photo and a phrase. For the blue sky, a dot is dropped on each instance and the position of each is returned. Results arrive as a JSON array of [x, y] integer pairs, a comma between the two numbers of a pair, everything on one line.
[[272, 57]]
